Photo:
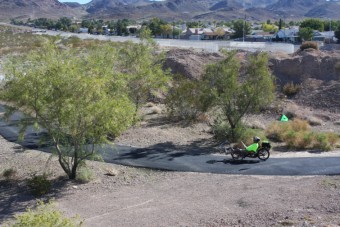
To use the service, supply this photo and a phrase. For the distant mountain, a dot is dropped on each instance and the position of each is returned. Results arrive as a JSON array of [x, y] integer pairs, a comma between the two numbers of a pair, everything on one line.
[[306, 8], [257, 10], [34, 9]]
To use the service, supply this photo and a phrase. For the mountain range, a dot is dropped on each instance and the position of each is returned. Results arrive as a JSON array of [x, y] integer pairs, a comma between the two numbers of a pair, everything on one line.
[[257, 10]]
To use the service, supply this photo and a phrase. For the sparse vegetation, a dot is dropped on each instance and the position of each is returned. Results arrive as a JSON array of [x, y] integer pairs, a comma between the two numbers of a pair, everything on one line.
[[291, 89], [85, 174], [297, 134], [309, 45], [44, 215], [9, 174], [39, 184]]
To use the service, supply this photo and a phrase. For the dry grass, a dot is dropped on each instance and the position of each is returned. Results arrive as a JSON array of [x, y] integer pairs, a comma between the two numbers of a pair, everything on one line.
[[297, 134]]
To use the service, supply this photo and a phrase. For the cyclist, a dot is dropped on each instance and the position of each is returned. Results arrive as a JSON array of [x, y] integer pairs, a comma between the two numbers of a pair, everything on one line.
[[252, 148]]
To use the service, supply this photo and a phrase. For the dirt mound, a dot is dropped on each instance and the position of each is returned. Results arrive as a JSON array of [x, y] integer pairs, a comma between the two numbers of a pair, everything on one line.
[[302, 65], [319, 94], [190, 63]]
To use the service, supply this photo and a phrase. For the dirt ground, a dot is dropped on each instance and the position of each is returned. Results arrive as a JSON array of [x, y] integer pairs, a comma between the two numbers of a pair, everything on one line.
[[143, 197]]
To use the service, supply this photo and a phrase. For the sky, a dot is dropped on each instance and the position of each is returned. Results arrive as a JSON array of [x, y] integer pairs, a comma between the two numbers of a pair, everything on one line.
[[79, 1]]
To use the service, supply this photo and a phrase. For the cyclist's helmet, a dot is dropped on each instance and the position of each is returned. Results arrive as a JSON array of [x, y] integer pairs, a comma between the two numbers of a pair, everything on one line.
[[256, 139]]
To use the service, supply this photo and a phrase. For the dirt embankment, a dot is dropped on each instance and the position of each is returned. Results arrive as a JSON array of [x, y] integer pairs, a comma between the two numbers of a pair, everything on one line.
[[318, 72]]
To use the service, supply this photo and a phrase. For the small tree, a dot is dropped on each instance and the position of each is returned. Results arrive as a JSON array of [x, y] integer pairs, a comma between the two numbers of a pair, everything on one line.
[[143, 70], [219, 32], [241, 28], [77, 97], [306, 34], [235, 93]]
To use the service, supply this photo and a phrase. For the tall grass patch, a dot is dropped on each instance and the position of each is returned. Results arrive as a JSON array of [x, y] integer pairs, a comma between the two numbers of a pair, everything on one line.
[[297, 134]]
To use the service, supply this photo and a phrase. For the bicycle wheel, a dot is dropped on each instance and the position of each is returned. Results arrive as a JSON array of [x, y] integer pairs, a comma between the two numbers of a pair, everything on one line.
[[263, 154], [237, 155]]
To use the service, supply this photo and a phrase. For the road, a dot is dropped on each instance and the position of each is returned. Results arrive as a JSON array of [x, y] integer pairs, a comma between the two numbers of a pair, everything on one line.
[[170, 157]]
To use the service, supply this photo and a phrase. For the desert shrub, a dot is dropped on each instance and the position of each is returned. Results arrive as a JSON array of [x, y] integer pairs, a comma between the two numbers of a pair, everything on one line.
[[39, 184], [223, 131], [297, 134], [308, 45], [291, 89], [337, 66], [85, 175], [44, 215], [9, 174], [186, 100]]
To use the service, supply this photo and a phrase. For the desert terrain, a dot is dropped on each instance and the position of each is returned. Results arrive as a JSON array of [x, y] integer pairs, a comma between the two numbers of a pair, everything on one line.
[[127, 196]]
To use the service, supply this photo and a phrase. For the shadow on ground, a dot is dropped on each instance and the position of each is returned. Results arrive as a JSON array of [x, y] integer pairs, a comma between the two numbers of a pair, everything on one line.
[[16, 196], [169, 151]]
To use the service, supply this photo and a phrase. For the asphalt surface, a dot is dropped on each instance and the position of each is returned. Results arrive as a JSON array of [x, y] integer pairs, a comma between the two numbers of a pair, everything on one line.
[[175, 158]]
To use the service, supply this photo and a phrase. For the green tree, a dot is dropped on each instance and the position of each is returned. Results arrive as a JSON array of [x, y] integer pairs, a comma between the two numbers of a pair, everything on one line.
[[269, 28], [76, 96], [220, 33], [241, 28], [143, 71], [166, 29], [314, 24], [234, 96], [306, 34], [337, 34]]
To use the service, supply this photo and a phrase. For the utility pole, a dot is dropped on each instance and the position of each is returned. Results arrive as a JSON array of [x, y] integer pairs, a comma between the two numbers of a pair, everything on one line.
[[244, 24]]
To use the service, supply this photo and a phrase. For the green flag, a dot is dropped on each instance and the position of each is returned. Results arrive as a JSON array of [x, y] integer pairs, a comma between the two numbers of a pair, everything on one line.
[[284, 118]]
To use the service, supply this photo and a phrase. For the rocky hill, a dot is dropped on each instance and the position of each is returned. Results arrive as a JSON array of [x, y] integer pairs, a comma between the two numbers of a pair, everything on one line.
[[257, 10], [35, 9]]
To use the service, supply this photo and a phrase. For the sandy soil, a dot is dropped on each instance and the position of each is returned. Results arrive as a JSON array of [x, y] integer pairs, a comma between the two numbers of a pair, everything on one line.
[[137, 197]]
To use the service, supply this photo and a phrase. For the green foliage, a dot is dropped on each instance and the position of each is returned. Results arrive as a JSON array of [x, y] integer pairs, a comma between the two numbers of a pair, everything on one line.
[[241, 27], [269, 27], [85, 175], [307, 45], [291, 89], [9, 174], [143, 72], [145, 33], [236, 96], [187, 100], [39, 184], [155, 25], [306, 34], [223, 131], [44, 215], [297, 134], [76, 96], [313, 23]]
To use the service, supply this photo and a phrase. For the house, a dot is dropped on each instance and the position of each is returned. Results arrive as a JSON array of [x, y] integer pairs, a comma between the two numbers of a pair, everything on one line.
[[195, 33], [290, 34], [259, 36], [329, 36]]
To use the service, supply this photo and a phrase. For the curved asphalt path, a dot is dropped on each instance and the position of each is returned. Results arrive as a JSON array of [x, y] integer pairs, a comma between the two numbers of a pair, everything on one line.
[[180, 158]]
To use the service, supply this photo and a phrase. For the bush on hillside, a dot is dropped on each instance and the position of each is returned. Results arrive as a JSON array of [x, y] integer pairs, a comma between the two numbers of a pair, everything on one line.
[[291, 89], [39, 184], [309, 45]]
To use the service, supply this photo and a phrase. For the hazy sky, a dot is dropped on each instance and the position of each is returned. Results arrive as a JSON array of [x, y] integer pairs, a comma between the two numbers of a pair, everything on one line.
[[80, 1]]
